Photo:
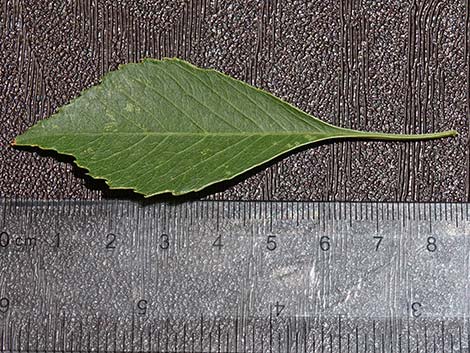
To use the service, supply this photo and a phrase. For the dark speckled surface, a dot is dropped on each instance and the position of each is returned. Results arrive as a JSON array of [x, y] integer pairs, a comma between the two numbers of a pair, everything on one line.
[[393, 66]]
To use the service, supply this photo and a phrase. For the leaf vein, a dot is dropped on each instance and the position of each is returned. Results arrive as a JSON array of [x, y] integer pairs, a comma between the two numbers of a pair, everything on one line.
[[224, 99], [234, 156], [171, 102], [203, 161], [156, 167], [142, 139], [108, 106], [139, 159], [255, 103], [151, 114], [173, 78]]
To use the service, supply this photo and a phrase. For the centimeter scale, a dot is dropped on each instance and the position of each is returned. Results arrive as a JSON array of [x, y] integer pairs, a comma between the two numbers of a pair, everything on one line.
[[213, 276]]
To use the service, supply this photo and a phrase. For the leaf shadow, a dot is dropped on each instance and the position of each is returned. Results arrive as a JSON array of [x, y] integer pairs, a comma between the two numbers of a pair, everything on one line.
[[130, 195]]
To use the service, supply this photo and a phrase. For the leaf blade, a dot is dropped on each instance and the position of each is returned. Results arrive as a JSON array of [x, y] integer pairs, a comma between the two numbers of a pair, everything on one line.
[[168, 126]]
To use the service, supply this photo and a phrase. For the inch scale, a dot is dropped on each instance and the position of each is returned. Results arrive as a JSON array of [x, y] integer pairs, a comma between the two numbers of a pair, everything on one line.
[[215, 276]]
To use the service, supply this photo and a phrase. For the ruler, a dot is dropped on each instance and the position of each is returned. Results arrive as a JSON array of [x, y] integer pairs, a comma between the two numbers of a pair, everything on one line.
[[213, 276]]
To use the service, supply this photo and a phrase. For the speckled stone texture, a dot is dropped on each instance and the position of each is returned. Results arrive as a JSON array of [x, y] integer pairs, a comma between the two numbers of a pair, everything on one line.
[[392, 66]]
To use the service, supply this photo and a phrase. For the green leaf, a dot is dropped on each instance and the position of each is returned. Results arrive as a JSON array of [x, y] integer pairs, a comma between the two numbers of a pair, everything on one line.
[[168, 126]]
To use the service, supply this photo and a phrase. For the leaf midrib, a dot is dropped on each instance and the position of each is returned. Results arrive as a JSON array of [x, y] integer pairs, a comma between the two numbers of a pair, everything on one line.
[[267, 133]]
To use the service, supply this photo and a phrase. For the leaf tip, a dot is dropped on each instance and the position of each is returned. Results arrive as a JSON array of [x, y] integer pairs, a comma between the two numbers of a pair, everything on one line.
[[13, 143]]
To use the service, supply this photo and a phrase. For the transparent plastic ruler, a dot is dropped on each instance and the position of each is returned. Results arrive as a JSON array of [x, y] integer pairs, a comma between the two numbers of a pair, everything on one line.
[[213, 276]]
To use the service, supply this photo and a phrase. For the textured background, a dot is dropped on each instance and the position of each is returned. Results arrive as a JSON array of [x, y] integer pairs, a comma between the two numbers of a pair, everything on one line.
[[390, 65]]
